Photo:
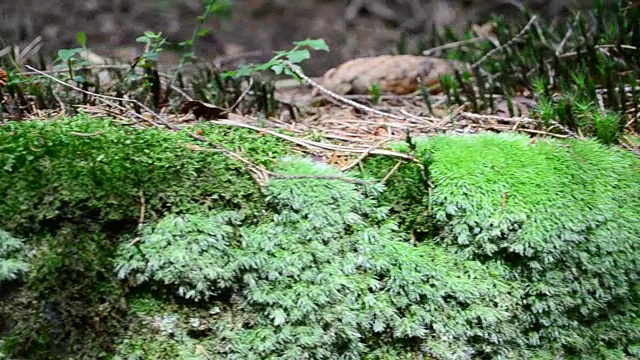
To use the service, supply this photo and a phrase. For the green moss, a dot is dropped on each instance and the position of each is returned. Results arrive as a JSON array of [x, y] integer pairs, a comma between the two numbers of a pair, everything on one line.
[[48, 173], [145, 304], [327, 275], [527, 250], [70, 187], [13, 262], [70, 301], [153, 347], [405, 192], [564, 216]]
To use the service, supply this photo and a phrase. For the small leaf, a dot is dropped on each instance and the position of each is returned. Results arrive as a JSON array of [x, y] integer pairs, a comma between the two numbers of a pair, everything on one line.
[[151, 55], [278, 316], [203, 32], [244, 70], [298, 56], [277, 69], [143, 39], [81, 38], [265, 66], [315, 44], [290, 72], [67, 54]]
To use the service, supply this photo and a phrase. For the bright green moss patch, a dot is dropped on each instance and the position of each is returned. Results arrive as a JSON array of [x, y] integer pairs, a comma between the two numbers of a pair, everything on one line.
[[564, 216]]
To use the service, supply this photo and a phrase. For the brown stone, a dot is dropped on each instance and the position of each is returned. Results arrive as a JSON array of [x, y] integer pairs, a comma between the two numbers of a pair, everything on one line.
[[394, 74]]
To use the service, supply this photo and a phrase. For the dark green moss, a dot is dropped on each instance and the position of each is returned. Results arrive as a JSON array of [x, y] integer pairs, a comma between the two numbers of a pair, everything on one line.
[[70, 304], [72, 187], [48, 174]]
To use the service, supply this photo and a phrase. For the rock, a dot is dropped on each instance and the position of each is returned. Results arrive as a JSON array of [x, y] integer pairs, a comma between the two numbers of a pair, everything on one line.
[[394, 74]]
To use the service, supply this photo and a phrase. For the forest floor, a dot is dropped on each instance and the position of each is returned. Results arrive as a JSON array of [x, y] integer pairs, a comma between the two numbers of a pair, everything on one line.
[[259, 27]]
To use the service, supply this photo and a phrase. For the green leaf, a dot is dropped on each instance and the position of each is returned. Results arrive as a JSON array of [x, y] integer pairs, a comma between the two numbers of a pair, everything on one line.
[[277, 69], [265, 66], [67, 54], [151, 55], [81, 38], [315, 44], [290, 72], [298, 56], [143, 39], [203, 32], [245, 70]]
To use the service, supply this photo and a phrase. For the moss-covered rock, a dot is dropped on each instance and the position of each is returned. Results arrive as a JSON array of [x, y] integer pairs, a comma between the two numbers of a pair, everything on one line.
[[70, 188], [95, 169], [563, 215], [525, 249]]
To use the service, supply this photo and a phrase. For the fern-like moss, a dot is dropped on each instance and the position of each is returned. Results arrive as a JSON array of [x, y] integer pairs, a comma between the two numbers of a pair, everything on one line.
[[328, 276], [13, 263]]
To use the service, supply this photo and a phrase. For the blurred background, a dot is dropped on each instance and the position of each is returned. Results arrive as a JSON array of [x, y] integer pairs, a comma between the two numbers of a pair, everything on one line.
[[256, 27]]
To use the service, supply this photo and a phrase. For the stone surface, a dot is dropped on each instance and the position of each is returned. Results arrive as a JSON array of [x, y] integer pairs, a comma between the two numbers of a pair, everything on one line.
[[394, 74]]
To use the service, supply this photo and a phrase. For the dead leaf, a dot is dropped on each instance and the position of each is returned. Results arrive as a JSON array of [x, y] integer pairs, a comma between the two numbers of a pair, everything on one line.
[[394, 74], [201, 350], [485, 30], [202, 109], [337, 160], [380, 131], [3, 78], [505, 198]]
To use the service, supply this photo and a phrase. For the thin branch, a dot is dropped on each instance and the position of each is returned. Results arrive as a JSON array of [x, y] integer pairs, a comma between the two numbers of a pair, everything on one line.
[[342, 99], [364, 155], [508, 44]]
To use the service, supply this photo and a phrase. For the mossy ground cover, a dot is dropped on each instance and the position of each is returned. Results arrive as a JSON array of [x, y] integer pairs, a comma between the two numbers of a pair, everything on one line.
[[71, 187], [563, 216], [521, 249]]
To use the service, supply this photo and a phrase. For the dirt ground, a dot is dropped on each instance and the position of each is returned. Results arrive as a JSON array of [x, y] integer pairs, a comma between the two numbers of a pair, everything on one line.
[[256, 25]]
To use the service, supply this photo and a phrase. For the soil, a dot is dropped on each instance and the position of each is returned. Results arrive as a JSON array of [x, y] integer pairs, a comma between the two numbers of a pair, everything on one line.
[[258, 26]]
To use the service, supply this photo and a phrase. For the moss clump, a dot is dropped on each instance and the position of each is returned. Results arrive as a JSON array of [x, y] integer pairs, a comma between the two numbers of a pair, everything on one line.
[[49, 174], [70, 187], [327, 276], [563, 216]]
